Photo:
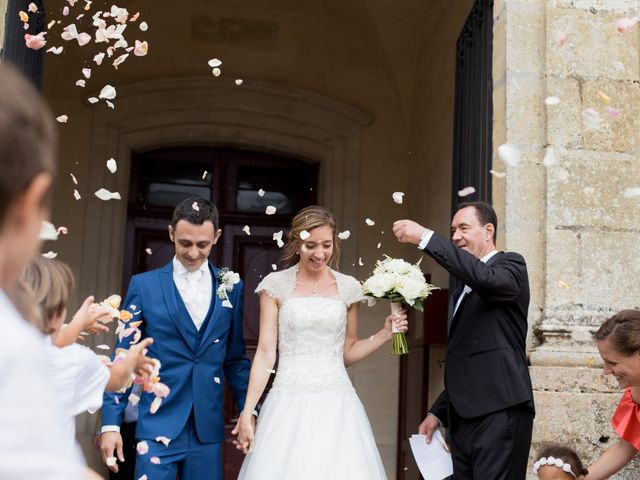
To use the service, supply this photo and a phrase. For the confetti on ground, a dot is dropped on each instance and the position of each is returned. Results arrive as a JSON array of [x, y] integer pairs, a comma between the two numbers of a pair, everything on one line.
[[344, 235], [261, 193], [104, 194], [631, 192], [50, 254], [112, 165], [304, 235], [62, 118], [246, 229], [270, 210], [466, 191], [398, 197], [549, 157], [164, 440], [142, 448], [369, 222], [148, 251], [509, 154], [551, 100]]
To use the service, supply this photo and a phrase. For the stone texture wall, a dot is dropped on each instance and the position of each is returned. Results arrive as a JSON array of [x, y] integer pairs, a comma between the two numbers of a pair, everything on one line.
[[570, 220], [3, 13]]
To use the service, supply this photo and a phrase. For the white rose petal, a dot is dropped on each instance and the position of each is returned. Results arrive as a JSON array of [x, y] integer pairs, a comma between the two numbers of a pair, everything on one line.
[[214, 62], [246, 229], [55, 50], [155, 460], [144, 26], [48, 231], [50, 254], [497, 174], [86, 72], [344, 235], [274, 267], [81, 83], [216, 72], [112, 461], [107, 92], [62, 118], [270, 210], [155, 405], [549, 157], [552, 100], [304, 235], [379, 245], [148, 251], [398, 197], [369, 222], [164, 440], [466, 191], [142, 448], [195, 206], [93, 99], [98, 58], [76, 194], [104, 194], [216, 379], [103, 347], [360, 262], [509, 154], [239, 81], [261, 193], [112, 165]]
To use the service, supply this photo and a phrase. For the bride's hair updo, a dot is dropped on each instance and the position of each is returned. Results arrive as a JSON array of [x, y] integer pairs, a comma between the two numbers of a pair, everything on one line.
[[307, 219]]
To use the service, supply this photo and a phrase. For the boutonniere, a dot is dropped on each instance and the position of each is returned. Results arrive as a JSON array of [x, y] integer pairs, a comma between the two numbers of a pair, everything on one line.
[[227, 279]]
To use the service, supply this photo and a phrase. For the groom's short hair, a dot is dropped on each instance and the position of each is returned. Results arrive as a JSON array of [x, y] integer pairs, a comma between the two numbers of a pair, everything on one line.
[[484, 213], [27, 136], [196, 210]]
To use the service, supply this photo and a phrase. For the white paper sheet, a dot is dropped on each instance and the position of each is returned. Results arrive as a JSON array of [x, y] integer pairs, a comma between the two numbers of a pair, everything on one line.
[[433, 459]]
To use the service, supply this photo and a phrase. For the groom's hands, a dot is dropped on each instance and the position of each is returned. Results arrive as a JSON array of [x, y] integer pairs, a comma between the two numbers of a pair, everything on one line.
[[111, 442], [245, 430]]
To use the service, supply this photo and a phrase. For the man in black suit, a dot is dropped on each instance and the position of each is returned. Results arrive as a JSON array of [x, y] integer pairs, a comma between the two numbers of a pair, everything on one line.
[[487, 403]]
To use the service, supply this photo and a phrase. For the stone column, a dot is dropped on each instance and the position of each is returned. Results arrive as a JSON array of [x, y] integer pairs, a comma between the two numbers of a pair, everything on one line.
[[570, 219], [3, 14]]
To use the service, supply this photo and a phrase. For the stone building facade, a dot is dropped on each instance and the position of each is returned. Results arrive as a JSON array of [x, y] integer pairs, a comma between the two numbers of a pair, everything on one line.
[[365, 89]]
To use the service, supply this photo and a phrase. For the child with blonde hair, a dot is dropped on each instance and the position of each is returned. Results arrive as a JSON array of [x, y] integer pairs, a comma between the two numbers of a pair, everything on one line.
[[556, 462], [78, 376]]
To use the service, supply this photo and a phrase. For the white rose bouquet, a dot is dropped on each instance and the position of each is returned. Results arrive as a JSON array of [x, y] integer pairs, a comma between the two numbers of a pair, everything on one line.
[[400, 282]]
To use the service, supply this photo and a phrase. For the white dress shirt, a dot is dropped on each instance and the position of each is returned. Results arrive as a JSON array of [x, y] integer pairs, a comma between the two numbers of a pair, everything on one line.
[[32, 444], [195, 289]]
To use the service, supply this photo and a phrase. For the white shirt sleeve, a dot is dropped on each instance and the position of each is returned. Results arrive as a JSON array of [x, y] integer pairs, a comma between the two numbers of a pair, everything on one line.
[[110, 428], [91, 379], [424, 239]]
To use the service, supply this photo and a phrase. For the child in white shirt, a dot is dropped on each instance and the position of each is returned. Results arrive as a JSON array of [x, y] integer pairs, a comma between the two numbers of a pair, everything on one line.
[[78, 376]]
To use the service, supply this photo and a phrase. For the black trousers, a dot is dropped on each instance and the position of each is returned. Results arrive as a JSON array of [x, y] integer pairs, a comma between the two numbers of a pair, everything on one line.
[[491, 447]]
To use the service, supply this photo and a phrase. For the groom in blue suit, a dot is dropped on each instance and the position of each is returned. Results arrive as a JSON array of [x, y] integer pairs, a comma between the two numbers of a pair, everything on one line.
[[198, 339]]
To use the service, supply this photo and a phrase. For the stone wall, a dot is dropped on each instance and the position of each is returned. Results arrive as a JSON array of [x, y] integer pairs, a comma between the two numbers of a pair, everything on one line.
[[3, 13], [570, 219]]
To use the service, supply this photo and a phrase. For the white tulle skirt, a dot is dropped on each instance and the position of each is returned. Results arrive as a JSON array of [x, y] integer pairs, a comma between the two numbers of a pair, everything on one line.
[[313, 436]]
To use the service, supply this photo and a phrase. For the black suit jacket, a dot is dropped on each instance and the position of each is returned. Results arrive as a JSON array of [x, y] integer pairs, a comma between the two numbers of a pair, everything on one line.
[[485, 368]]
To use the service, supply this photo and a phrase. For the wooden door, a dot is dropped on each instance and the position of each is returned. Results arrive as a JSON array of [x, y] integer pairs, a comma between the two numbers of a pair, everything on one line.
[[161, 178]]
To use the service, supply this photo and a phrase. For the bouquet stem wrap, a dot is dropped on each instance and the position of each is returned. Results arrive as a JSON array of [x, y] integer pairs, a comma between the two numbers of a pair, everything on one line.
[[400, 346]]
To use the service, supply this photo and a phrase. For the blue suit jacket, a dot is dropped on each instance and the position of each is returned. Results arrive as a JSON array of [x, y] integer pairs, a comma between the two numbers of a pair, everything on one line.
[[191, 360]]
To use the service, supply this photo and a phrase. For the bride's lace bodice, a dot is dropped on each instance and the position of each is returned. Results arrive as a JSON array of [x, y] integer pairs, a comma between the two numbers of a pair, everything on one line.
[[311, 332]]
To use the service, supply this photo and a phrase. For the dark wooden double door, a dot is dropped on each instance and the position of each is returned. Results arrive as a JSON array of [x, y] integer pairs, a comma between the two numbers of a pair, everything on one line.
[[232, 179]]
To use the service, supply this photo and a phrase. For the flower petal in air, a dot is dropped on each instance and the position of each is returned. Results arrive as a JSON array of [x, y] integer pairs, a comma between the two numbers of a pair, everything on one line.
[[497, 174], [62, 118], [369, 222], [108, 92], [50, 254], [509, 154], [216, 379], [214, 62], [69, 32], [112, 461], [466, 191], [155, 405], [246, 229], [261, 193], [148, 251], [270, 210], [155, 460], [24, 17], [552, 100], [112, 165], [344, 235], [98, 58], [86, 72], [164, 440], [48, 231], [76, 194], [398, 197], [144, 26], [239, 81], [81, 83], [216, 72], [549, 157], [141, 49], [195, 206], [103, 347], [93, 99], [142, 448], [83, 39], [35, 42], [104, 194], [33, 8], [304, 235]]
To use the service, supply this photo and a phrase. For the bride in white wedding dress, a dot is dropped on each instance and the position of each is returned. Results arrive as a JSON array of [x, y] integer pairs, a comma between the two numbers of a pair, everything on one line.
[[312, 425]]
